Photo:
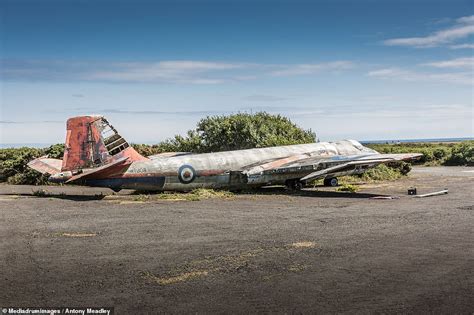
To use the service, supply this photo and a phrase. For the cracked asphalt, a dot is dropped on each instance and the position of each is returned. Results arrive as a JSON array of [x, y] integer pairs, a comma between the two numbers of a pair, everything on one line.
[[272, 251]]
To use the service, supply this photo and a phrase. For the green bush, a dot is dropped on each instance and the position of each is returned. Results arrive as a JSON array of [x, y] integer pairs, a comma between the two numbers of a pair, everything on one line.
[[233, 132], [381, 172], [13, 164], [454, 153], [403, 167], [246, 131], [237, 132], [147, 150], [462, 154]]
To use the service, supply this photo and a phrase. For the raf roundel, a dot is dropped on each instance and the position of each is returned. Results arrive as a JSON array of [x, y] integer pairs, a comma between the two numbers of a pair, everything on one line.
[[186, 174]]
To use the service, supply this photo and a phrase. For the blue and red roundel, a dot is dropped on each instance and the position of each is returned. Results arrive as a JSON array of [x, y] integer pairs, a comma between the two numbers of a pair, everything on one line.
[[186, 174]]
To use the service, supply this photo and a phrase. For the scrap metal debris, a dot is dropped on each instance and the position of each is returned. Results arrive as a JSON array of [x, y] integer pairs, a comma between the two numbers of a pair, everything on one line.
[[385, 197], [436, 193]]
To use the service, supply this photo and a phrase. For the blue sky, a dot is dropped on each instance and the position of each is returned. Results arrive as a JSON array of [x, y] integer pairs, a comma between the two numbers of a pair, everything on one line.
[[346, 69]]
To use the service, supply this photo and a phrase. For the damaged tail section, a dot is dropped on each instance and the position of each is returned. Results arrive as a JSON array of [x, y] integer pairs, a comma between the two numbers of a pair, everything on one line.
[[91, 143]]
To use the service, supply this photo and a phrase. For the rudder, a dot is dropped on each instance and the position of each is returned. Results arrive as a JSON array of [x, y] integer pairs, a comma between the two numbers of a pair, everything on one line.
[[92, 142]]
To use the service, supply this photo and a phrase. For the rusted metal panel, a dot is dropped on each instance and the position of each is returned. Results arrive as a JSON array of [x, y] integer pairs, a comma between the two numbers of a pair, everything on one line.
[[103, 171], [97, 155], [46, 165], [85, 146]]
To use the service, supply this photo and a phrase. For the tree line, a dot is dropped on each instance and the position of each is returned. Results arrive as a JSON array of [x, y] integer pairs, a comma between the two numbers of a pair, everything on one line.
[[233, 132]]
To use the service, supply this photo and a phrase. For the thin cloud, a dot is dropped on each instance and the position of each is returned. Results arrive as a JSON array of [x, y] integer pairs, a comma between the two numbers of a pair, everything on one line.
[[306, 69], [185, 71], [157, 112], [467, 63], [264, 98], [462, 46], [466, 19], [175, 72], [464, 78], [463, 28], [12, 122]]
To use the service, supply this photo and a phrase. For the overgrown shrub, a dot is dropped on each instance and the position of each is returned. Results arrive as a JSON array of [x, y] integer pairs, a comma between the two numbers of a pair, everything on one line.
[[236, 132], [13, 164], [233, 132], [381, 172], [455, 153], [462, 154]]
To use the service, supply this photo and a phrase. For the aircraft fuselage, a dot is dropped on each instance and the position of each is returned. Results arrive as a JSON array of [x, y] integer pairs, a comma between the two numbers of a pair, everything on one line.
[[212, 170]]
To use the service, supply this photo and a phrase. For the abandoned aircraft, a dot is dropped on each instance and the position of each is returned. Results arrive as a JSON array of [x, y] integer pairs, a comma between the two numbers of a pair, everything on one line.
[[96, 155]]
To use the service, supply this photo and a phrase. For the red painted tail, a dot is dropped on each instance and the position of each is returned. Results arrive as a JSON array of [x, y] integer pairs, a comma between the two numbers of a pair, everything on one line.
[[92, 142]]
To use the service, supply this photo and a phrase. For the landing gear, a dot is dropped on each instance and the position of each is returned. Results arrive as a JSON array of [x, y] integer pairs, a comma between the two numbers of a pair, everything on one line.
[[332, 182], [293, 184]]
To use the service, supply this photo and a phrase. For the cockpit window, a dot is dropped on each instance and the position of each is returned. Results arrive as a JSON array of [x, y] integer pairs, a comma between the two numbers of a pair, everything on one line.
[[361, 148], [356, 144]]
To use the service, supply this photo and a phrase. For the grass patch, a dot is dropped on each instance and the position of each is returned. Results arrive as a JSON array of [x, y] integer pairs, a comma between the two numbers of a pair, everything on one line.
[[305, 244], [175, 279], [297, 268], [211, 193], [141, 198], [41, 193], [250, 261], [78, 234], [348, 188], [194, 195], [70, 234]]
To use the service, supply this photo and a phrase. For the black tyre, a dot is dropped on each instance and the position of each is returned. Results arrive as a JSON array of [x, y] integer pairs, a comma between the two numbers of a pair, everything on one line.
[[293, 184], [331, 182]]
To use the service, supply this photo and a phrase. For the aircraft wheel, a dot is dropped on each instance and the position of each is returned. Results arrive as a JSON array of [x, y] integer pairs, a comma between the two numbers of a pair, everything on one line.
[[294, 184], [331, 182]]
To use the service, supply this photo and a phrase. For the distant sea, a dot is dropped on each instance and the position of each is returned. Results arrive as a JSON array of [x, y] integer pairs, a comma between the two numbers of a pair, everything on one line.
[[418, 140], [44, 145], [21, 145]]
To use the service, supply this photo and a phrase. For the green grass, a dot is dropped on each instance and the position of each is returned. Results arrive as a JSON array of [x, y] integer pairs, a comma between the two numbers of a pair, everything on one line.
[[194, 195], [348, 187]]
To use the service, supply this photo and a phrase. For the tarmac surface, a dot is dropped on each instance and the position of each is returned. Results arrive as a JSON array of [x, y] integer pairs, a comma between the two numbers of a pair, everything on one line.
[[273, 251]]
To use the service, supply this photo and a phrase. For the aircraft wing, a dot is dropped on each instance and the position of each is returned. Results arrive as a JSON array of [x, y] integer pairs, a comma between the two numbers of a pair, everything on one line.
[[46, 165], [308, 167], [102, 171]]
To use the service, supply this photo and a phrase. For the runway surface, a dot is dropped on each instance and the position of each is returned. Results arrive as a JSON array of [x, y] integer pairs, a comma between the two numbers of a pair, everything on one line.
[[314, 251]]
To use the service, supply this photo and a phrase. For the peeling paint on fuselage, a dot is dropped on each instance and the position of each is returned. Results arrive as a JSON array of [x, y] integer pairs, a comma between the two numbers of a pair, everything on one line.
[[213, 170]]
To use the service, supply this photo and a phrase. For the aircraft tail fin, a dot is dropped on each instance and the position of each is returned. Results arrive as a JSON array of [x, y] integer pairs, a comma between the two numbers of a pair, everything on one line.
[[91, 141]]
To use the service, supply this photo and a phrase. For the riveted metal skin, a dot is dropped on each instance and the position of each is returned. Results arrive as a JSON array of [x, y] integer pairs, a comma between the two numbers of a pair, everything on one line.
[[96, 155]]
